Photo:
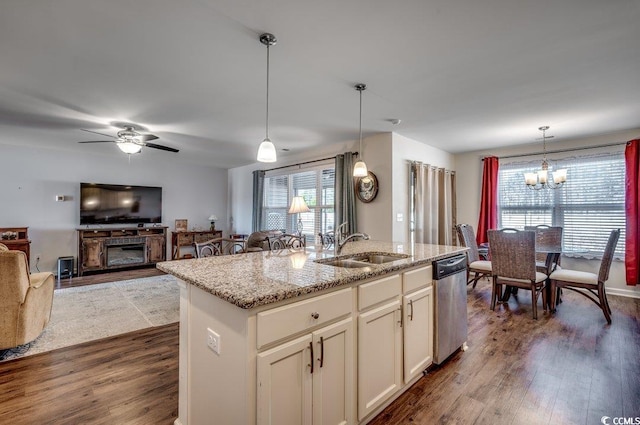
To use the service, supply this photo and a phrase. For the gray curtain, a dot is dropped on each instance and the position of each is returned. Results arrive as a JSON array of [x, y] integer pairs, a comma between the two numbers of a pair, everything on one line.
[[434, 195], [258, 195], [345, 201]]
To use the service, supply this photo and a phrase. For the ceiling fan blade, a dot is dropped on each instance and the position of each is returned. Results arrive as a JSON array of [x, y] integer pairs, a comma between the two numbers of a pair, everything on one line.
[[164, 148], [97, 141], [95, 132], [148, 137]]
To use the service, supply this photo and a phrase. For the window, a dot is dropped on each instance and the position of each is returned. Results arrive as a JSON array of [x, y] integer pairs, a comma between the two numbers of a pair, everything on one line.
[[588, 206], [315, 185]]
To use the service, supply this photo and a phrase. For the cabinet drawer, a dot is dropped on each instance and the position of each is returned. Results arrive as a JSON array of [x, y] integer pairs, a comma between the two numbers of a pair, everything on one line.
[[375, 292], [185, 239], [290, 319], [416, 279]]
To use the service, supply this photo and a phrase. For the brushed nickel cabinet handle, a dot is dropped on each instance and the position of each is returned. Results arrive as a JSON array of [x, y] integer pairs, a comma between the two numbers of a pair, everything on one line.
[[411, 311]]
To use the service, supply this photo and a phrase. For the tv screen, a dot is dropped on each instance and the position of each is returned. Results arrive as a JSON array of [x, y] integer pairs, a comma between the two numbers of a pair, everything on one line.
[[119, 204]]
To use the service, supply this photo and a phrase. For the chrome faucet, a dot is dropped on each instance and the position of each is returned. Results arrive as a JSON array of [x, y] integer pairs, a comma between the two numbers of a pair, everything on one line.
[[342, 242]]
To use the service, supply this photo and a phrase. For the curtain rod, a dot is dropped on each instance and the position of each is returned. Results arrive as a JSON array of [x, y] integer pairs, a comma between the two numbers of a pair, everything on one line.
[[306, 162], [560, 150]]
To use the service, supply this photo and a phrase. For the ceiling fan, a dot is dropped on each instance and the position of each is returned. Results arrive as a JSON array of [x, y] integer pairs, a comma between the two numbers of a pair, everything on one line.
[[130, 141]]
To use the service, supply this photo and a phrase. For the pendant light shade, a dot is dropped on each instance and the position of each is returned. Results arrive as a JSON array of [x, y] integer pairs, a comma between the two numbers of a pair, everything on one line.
[[360, 168], [545, 178], [267, 150]]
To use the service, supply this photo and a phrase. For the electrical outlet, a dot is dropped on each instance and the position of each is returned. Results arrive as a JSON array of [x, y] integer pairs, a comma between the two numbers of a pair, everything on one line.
[[213, 341]]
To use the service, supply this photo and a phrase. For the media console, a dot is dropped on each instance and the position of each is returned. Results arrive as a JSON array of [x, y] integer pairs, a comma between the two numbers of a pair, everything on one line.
[[104, 249]]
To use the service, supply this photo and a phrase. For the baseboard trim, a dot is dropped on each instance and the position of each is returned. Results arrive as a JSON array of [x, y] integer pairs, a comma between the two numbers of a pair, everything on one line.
[[629, 293]]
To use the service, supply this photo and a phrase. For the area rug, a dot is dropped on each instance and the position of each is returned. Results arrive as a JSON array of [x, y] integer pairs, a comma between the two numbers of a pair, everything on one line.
[[87, 313]]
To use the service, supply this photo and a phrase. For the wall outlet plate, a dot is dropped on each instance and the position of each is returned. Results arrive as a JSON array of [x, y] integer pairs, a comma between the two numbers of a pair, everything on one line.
[[213, 341]]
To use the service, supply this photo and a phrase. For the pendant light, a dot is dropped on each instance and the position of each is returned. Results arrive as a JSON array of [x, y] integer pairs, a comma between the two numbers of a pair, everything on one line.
[[267, 151], [360, 168]]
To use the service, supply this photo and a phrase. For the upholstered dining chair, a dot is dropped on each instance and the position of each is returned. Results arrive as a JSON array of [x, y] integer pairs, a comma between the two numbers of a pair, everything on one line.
[[25, 299], [513, 261], [479, 268], [261, 240], [590, 285], [547, 236]]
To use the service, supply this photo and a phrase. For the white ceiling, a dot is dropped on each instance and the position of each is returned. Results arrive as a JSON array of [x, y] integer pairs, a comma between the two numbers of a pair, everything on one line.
[[461, 74]]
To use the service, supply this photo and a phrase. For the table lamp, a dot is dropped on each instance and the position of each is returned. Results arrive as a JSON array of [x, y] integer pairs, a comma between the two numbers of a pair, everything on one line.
[[212, 219], [298, 206]]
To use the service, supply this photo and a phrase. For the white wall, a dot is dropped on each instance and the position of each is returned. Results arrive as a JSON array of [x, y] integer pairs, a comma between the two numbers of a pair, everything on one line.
[[31, 178], [387, 155], [469, 182]]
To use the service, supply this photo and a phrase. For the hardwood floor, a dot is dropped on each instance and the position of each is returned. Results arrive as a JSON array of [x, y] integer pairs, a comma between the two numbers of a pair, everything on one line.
[[92, 279], [125, 379], [567, 368]]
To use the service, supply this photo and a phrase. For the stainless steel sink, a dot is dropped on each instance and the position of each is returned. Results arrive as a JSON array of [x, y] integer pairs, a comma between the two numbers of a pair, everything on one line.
[[346, 263], [362, 260], [378, 258]]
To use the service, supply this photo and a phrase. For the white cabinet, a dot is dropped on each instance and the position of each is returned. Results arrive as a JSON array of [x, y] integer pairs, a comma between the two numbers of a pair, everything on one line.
[[379, 355], [417, 306], [418, 332], [308, 377]]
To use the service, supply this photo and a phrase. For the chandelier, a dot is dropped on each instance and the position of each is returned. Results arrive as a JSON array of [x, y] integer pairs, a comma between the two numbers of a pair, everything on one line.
[[545, 178]]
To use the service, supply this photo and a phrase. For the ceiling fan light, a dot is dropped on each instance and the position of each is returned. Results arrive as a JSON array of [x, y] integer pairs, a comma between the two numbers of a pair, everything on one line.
[[129, 147], [267, 151], [360, 169]]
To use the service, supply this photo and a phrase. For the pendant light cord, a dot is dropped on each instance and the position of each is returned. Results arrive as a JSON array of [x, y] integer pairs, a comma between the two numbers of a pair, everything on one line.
[[267, 126], [360, 149]]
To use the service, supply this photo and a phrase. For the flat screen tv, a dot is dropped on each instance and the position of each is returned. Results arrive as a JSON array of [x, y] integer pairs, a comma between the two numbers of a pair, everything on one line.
[[119, 204]]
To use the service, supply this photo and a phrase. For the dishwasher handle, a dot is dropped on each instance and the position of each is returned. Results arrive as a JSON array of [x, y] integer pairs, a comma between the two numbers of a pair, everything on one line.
[[448, 266]]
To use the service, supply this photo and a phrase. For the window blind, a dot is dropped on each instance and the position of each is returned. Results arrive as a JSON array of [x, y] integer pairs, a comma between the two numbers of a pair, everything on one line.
[[588, 206], [315, 185]]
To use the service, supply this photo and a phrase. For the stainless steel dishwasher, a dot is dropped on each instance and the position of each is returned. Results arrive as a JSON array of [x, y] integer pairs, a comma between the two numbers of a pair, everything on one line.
[[450, 289]]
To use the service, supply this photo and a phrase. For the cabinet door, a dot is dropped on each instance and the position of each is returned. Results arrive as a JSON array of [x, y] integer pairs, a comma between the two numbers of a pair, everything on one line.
[[333, 374], [285, 383], [155, 249], [379, 356], [92, 253], [418, 332]]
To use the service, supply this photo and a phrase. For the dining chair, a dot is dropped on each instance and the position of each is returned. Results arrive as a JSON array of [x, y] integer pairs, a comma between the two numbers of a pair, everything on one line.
[[209, 248], [513, 261], [548, 237], [590, 285], [479, 268]]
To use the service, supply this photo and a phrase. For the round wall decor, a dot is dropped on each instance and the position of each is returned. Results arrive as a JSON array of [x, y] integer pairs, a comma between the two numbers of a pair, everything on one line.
[[367, 187]]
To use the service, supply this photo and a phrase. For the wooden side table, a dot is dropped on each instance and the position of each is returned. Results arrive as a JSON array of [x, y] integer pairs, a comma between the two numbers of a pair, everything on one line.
[[187, 239], [21, 241]]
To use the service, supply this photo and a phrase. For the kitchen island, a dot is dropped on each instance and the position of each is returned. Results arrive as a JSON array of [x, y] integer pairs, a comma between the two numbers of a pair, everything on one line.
[[279, 337]]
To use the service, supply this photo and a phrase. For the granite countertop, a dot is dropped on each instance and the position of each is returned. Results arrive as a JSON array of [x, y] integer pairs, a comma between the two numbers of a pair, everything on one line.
[[258, 278]]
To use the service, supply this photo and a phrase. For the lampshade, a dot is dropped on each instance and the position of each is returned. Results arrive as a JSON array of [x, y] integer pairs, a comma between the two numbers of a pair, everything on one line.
[[129, 147], [213, 218], [298, 205], [360, 169], [267, 151]]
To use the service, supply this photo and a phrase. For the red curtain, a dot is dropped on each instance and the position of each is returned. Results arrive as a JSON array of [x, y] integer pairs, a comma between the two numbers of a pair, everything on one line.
[[489, 201], [632, 191]]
